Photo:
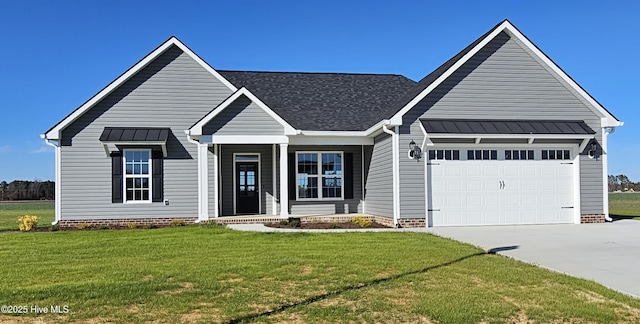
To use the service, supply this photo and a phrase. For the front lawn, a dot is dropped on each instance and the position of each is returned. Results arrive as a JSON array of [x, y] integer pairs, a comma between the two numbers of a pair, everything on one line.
[[624, 205], [10, 211], [210, 274]]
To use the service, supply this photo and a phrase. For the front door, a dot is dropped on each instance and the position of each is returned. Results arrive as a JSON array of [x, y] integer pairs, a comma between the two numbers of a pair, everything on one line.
[[247, 188]]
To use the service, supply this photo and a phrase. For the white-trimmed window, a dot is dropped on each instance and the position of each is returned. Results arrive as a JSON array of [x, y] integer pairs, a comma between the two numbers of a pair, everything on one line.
[[444, 154], [482, 154], [518, 155], [319, 175], [556, 154], [137, 175]]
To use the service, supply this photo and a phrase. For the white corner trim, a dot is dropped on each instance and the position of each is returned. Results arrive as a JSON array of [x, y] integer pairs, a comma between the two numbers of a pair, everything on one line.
[[577, 204], [197, 128], [605, 173], [54, 133], [607, 119]]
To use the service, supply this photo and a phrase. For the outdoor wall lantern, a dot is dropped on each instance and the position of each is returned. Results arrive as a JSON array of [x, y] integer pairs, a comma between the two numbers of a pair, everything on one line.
[[415, 153], [593, 150]]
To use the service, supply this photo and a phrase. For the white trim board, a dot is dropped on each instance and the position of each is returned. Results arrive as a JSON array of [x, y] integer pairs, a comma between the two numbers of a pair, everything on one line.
[[55, 132]]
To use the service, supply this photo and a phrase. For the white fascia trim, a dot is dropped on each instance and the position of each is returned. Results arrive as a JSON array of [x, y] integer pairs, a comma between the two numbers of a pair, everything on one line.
[[244, 139], [607, 121], [197, 128], [54, 133], [330, 140], [505, 136]]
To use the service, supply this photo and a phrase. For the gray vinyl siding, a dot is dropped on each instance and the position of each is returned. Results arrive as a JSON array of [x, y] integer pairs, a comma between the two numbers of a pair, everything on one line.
[[379, 184], [226, 177], [325, 207], [243, 117], [172, 91], [412, 188], [503, 81]]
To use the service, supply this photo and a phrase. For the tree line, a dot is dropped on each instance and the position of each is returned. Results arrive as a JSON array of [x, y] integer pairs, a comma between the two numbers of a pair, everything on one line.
[[27, 190], [622, 183]]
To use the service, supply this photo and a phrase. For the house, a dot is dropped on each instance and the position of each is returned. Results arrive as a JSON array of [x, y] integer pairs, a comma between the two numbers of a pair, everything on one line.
[[498, 134]]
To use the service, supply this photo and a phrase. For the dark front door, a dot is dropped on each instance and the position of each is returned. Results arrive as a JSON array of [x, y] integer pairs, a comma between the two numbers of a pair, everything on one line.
[[247, 188]]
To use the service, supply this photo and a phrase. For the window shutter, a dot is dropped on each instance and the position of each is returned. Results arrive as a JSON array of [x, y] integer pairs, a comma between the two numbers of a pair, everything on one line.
[[292, 176], [348, 176], [157, 176], [116, 177]]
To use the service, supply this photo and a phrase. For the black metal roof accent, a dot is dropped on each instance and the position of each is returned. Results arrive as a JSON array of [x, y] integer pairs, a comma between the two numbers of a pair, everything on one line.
[[324, 101], [505, 126], [134, 134]]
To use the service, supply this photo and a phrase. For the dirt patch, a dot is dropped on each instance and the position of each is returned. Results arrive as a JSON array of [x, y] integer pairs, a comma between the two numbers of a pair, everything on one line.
[[184, 287], [630, 314], [231, 280], [520, 318], [147, 277], [307, 269], [133, 308], [325, 225]]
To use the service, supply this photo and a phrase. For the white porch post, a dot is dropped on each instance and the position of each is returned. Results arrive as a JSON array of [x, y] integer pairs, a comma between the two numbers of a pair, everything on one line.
[[274, 203], [203, 188], [284, 183], [215, 181]]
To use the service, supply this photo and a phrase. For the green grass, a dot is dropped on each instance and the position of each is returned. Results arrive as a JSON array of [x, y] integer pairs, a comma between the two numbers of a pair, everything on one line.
[[624, 205], [10, 211], [211, 274]]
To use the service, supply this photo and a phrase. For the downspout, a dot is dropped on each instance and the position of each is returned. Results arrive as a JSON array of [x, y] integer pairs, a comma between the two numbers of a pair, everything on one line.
[[190, 140], [396, 180], [57, 192], [605, 177]]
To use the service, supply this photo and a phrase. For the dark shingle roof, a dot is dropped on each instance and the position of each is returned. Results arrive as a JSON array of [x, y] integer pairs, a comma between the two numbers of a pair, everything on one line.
[[497, 126], [325, 101], [134, 134]]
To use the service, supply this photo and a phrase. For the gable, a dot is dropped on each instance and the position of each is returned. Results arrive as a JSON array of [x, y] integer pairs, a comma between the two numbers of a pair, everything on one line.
[[243, 117], [503, 80], [171, 45], [504, 32], [173, 91]]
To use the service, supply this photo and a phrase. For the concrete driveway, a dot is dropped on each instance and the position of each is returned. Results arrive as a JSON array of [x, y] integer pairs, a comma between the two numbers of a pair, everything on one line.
[[606, 253]]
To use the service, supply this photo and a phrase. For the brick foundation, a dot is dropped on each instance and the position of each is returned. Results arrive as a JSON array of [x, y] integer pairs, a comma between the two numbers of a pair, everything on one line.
[[412, 222], [124, 222], [592, 218]]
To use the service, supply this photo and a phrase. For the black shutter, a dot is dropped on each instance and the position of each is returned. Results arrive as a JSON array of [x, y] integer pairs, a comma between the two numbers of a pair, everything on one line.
[[348, 176], [157, 177], [292, 176], [116, 177]]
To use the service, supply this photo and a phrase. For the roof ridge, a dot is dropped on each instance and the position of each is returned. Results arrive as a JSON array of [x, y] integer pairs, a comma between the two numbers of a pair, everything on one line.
[[307, 72]]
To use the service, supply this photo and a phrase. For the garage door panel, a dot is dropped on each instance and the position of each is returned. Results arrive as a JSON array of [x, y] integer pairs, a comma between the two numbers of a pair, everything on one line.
[[493, 192]]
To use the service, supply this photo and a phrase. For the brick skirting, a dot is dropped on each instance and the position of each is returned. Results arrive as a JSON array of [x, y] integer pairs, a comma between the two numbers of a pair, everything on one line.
[[412, 222], [123, 222], [592, 218]]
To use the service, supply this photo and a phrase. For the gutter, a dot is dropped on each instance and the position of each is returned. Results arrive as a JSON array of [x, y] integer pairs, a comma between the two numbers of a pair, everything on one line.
[[191, 140], [395, 166]]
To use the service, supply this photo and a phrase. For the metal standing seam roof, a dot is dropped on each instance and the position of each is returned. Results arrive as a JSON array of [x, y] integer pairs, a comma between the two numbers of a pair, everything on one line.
[[504, 126], [134, 134]]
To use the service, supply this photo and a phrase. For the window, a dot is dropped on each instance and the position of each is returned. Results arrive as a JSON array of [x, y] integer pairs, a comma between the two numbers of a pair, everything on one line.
[[482, 154], [444, 154], [137, 175], [319, 175], [518, 155], [556, 154]]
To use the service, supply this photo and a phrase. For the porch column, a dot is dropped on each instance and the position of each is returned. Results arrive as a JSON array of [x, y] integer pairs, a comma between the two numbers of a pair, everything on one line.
[[215, 181], [284, 182], [203, 188]]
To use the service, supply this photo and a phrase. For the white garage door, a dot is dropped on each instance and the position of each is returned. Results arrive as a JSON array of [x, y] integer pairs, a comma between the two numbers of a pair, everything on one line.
[[491, 187]]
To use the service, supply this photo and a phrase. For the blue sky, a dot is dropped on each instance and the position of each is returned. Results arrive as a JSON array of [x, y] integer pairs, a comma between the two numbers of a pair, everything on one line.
[[57, 54]]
